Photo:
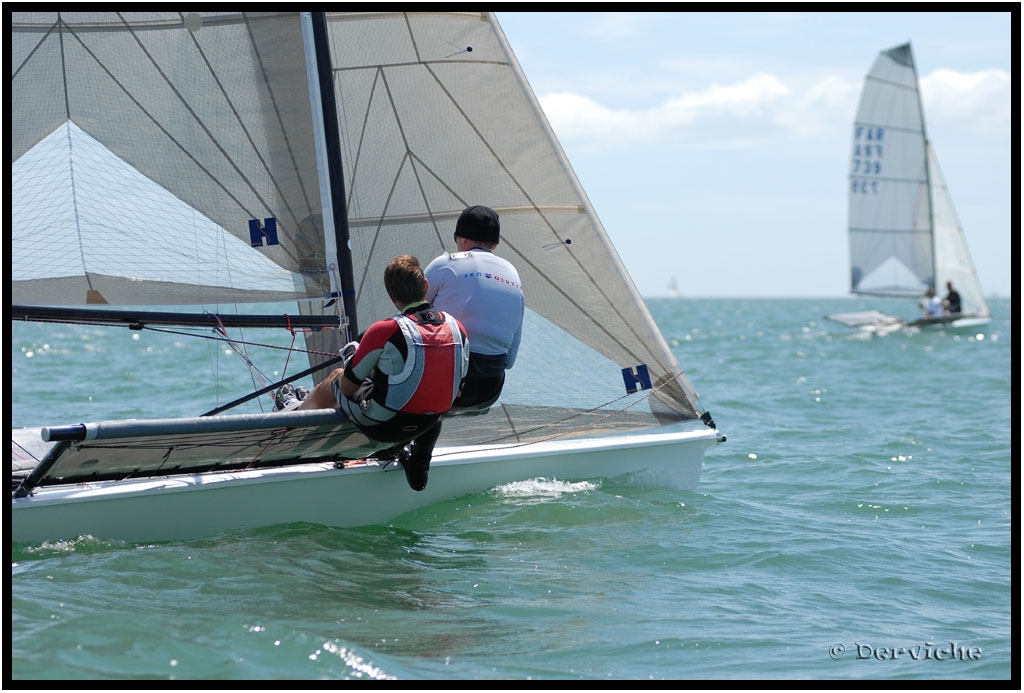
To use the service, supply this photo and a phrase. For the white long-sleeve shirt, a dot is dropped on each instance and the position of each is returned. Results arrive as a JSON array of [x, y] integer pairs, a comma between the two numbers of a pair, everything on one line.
[[484, 292]]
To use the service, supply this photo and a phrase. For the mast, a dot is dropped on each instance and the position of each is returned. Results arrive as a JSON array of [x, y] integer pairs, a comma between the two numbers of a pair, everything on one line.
[[927, 170], [325, 116]]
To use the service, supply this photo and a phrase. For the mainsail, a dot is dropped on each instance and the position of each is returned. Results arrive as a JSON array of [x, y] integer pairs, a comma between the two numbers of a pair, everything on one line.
[[193, 163], [132, 134], [904, 232]]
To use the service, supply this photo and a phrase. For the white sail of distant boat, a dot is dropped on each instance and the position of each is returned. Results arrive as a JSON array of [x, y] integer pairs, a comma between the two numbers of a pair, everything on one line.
[[905, 237], [673, 287], [165, 159]]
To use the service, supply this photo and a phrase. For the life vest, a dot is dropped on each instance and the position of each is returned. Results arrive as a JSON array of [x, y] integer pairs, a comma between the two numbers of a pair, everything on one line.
[[436, 361]]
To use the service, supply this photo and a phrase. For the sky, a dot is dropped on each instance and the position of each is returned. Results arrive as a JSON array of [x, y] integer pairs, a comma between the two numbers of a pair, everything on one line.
[[715, 146]]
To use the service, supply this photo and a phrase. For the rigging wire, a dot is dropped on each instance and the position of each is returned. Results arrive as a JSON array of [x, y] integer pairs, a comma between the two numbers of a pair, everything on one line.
[[238, 347], [257, 378]]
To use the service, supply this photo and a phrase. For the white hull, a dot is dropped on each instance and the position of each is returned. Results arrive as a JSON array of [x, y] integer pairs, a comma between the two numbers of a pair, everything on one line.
[[950, 325], [954, 326], [876, 323], [968, 323], [192, 506]]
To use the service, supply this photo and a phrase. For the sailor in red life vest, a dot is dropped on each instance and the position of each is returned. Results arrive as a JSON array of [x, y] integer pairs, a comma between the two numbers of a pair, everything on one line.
[[405, 373]]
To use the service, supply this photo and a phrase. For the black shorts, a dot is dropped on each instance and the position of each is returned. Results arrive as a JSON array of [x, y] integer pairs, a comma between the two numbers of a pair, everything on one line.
[[478, 393], [401, 428]]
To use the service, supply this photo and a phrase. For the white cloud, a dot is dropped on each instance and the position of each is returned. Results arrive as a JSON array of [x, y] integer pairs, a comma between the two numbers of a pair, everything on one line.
[[819, 108], [974, 100], [749, 96], [765, 106], [581, 118]]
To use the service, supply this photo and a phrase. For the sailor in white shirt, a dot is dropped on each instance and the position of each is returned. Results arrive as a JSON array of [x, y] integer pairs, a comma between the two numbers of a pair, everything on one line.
[[484, 293]]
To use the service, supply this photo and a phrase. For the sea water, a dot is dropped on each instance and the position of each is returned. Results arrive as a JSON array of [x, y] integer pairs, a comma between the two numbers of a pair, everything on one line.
[[856, 525]]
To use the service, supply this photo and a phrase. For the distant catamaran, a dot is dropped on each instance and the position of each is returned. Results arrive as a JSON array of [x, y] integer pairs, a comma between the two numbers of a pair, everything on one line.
[[905, 237]]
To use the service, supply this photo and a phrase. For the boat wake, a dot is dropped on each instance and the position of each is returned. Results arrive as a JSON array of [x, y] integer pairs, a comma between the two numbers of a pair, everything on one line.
[[544, 488]]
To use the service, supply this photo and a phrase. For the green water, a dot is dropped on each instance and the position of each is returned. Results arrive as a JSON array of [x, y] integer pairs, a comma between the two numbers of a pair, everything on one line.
[[856, 525]]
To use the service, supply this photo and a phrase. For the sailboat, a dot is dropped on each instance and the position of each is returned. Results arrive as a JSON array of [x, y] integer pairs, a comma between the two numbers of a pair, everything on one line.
[[905, 236], [166, 167]]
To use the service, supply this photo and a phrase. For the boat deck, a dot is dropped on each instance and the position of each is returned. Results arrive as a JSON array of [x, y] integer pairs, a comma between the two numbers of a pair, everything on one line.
[[113, 450]]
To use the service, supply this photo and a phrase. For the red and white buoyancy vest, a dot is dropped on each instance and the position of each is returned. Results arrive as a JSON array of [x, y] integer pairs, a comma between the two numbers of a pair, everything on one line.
[[436, 360]]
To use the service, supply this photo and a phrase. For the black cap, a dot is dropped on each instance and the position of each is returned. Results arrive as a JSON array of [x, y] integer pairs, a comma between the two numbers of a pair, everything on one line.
[[478, 223]]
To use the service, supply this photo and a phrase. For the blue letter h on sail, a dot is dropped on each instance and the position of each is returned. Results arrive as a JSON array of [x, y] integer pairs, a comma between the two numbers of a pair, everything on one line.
[[637, 379], [257, 232]]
